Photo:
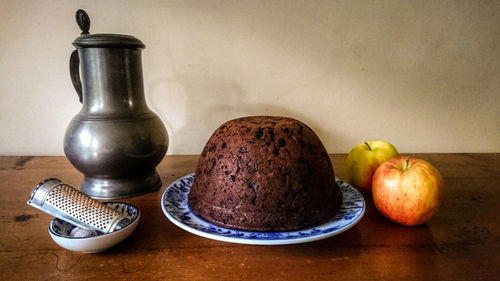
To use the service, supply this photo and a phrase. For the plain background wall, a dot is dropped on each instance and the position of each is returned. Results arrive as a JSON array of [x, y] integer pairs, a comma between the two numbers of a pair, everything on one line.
[[424, 75]]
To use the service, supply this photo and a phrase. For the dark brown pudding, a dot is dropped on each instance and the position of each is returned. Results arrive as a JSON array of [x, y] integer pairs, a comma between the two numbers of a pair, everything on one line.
[[264, 173]]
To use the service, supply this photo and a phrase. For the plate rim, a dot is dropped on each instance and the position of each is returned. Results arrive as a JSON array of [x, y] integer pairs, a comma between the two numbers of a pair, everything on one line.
[[246, 241]]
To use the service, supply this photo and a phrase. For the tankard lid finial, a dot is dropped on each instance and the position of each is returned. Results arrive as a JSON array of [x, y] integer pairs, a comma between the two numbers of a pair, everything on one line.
[[83, 21]]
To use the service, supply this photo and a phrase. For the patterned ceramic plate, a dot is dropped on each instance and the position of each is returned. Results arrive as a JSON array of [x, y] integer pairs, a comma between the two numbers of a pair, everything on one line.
[[175, 206]]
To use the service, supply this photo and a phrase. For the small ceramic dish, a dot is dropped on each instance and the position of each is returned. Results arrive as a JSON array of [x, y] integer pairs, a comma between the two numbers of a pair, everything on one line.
[[66, 234]]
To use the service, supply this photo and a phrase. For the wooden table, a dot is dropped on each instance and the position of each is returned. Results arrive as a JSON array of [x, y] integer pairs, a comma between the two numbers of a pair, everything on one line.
[[460, 243]]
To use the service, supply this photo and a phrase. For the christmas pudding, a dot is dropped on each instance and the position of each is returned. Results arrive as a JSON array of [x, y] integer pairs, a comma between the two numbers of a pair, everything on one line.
[[264, 173]]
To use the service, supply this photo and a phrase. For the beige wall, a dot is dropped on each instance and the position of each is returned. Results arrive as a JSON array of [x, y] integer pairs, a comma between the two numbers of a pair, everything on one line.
[[424, 75]]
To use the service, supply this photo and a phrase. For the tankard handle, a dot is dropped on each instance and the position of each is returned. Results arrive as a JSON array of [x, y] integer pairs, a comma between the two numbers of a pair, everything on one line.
[[74, 71], [83, 21]]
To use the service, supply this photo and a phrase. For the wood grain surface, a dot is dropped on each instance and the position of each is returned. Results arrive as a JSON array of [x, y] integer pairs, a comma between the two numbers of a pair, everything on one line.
[[460, 243]]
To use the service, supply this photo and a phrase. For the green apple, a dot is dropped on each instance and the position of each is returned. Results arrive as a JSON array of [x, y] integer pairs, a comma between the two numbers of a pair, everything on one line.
[[364, 159]]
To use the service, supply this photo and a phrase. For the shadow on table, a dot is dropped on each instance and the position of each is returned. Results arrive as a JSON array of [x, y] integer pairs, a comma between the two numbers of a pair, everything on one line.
[[376, 247]]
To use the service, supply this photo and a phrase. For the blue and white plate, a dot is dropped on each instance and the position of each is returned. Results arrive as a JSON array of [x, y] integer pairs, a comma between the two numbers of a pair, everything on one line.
[[174, 204]]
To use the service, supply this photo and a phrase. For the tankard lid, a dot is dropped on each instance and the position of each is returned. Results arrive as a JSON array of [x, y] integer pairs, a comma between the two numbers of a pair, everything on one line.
[[104, 40]]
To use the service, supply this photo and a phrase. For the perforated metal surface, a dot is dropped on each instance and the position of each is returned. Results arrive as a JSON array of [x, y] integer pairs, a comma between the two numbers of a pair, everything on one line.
[[82, 207], [69, 204]]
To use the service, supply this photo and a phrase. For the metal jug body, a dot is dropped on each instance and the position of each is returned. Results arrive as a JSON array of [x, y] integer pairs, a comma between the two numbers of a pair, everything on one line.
[[112, 82], [115, 140]]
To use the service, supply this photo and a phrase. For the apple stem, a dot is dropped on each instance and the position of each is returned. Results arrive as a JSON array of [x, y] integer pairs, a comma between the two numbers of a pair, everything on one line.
[[407, 163], [369, 148]]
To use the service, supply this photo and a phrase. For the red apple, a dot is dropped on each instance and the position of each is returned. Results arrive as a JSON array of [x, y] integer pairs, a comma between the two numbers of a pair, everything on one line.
[[407, 190]]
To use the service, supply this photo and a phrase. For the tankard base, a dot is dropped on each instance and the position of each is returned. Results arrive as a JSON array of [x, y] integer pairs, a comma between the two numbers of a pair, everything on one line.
[[115, 188]]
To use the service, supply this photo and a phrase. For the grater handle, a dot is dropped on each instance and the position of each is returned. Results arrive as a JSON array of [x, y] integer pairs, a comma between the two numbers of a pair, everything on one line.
[[39, 193]]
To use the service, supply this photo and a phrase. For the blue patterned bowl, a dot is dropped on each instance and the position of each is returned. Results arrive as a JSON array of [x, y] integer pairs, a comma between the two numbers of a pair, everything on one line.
[[69, 237]]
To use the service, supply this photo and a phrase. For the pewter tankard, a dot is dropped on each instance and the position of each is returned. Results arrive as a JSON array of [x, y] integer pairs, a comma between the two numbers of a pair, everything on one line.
[[116, 141]]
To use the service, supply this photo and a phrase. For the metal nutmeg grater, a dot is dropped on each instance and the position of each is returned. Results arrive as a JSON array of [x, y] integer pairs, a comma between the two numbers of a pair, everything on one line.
[[69, 204]]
